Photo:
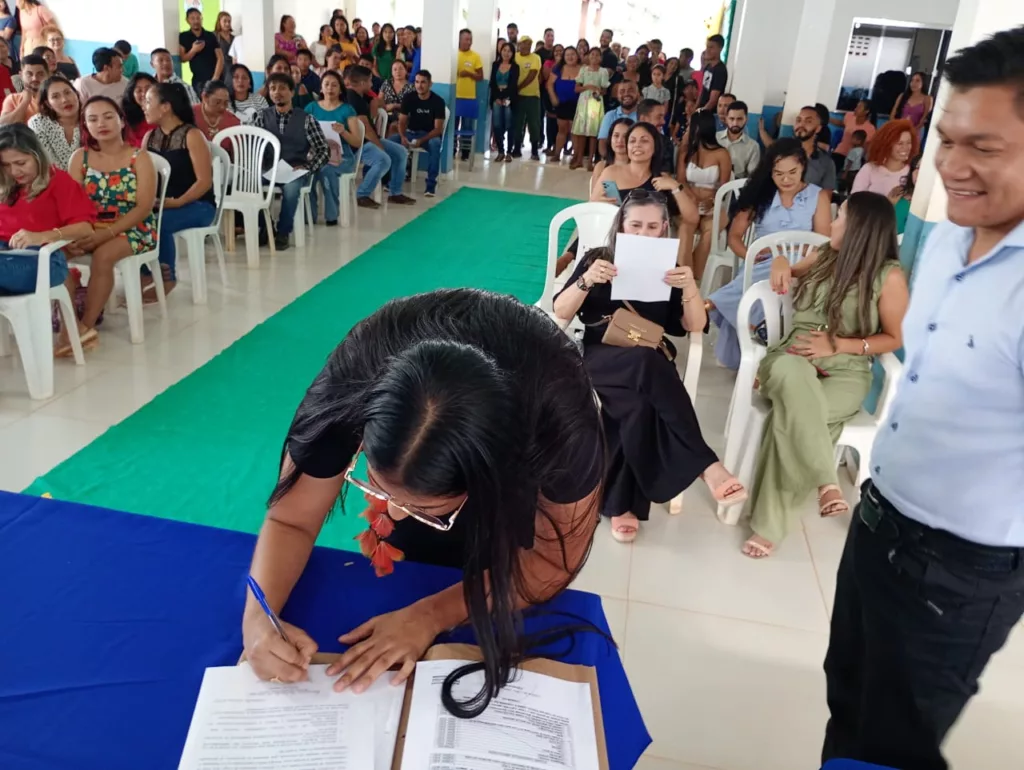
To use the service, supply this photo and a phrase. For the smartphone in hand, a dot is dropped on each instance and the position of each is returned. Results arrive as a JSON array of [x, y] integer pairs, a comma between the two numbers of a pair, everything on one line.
[[611, 190]]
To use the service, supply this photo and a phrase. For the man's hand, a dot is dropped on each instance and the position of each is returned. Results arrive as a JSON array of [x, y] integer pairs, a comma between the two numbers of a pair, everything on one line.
[[405, 142], [197, 46]]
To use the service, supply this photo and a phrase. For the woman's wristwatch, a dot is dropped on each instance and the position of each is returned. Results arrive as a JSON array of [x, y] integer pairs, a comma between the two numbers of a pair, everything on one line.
[[582, 284]]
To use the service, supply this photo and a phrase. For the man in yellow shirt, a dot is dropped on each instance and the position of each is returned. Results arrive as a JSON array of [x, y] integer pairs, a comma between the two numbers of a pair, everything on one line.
[[527, 108], [470, 71]]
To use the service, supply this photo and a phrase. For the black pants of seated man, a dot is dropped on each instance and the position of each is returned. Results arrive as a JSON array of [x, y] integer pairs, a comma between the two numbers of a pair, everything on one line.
[[918, 613]]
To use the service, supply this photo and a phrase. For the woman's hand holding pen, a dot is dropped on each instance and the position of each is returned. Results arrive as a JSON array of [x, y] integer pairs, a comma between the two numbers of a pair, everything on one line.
[[273, 658]]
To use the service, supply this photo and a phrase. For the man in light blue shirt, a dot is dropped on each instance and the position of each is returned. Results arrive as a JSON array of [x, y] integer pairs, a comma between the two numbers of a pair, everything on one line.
[[629, 97], [932, 577]]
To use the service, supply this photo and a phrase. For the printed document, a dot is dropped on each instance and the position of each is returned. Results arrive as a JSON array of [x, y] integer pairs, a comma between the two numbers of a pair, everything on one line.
[[538, 722], [286, 174], [641, 263], [242, 723]]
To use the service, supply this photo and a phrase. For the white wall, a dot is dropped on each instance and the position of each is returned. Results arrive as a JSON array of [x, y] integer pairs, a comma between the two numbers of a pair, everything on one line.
[[143, 22], [310, 15], [928, 13]]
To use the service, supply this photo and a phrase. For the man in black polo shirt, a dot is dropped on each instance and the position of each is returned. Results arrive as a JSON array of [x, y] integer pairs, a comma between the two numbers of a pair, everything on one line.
[[715, 75], [547, 51], [199, 48], [609, 60], [421, 125], [643, 53]]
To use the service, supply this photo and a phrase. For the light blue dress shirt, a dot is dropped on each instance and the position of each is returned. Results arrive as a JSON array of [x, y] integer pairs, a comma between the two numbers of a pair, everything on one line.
[[951, 452], [611, 117]]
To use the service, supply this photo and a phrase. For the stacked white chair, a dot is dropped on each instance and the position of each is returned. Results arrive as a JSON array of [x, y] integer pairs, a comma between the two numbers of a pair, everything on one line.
[[749, 410], [347, 185], [721, 256], [195, 237], [250, 193], [30, 321]]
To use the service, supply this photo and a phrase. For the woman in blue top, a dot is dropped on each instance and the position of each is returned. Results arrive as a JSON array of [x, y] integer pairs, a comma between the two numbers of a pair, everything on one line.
[[776, 198], [562, 91], [345, 124]]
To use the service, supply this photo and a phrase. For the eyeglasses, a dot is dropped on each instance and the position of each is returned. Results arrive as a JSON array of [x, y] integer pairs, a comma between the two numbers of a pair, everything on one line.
[[423, 518]]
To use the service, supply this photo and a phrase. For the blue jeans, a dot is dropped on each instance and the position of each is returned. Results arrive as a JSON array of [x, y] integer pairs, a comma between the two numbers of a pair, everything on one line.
[[502, 121], [378, 162], [18, 273], [329, 177], [433, 150], [194, 214], [289, 203]]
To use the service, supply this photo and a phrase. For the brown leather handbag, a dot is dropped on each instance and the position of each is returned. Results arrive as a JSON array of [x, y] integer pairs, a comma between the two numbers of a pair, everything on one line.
[[628, 329]]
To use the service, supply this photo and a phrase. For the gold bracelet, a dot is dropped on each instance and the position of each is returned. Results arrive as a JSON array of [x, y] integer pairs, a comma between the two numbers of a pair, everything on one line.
[[694, 296]]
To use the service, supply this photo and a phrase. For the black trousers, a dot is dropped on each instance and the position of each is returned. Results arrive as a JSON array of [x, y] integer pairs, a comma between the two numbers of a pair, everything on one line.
[[918, 613]]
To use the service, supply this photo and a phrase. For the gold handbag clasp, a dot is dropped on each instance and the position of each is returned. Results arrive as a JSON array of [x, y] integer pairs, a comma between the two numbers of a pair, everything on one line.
[[634, 335]]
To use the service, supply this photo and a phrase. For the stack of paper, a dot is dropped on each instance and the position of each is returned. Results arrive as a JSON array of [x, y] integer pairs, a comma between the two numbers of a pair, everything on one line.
[[537, 722], [241, 722]]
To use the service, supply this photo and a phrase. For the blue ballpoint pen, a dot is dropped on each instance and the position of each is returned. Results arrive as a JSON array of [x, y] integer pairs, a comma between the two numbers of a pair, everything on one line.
[[258, 593]]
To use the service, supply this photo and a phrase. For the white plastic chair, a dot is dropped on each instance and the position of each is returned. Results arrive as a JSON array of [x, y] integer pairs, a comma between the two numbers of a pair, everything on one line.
[[250, 193], [347, 182], [750, 409], [593, 223], [691, 374], [791, 244], [380, 125], [414, 152], [721, 255], [195, 237], [29, 318]]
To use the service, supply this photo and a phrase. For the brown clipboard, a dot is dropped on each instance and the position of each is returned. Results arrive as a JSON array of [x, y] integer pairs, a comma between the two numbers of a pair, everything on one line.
[[552, 668]]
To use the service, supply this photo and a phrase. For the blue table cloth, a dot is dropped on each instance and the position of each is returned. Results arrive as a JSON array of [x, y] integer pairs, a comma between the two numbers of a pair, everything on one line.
[[111, 619]]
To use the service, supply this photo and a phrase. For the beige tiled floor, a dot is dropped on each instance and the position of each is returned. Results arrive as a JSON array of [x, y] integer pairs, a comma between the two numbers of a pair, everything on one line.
[[724, 654]]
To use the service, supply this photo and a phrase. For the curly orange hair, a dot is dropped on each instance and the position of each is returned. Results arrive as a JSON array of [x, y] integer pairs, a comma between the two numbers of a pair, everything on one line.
[[886, 138]]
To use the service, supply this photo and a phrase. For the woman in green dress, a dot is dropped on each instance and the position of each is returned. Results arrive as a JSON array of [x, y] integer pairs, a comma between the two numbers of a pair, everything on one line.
[[849, 303]]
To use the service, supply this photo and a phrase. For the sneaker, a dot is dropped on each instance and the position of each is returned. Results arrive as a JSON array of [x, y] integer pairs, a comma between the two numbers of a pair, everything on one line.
[[331, 223], [367, 203], [281, 241], [404, 200], [429, 193]]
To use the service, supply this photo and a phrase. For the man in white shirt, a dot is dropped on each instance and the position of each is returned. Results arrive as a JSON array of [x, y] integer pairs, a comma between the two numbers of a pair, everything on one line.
[[163, 69], [108, 80], [931, 581], [744, 151]]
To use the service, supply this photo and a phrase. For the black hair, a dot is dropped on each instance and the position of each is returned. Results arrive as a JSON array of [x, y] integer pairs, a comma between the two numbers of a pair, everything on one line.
[[133, 110], [156, 51], [686, 52], [281, 78], [304, 52], [176, 97], [123, 46], [275, 59], [727, 96], [907, 183], [823, 114], [759, 191], [252, 84], [994, 61], [646, 107], [655, 40], [609, 157], [283, 20], [465, 31], [609, 31], [658, 68], [658, 158], [860, 134], [212, 86], [512, 25], [381, 45], [39, 50], [358, 73], [814, 109], [45, 108], [444, 413], [737, 105], [102, 57], [549, 29], [35, 61], [337, 76], [717, 40], [703, 133], [426, 74], [190, 11], [348, 27], [924, 87], [411, 28]]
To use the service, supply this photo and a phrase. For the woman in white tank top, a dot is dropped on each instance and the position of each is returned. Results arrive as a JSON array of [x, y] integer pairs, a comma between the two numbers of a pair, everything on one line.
[[703, 167]]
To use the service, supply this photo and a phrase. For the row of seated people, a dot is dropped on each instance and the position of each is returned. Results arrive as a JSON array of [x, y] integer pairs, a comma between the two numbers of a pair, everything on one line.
[[849, 295]]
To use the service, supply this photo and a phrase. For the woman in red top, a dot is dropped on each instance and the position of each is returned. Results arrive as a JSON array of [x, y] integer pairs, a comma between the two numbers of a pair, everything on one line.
[[133, 105], [6, 83], [212, 115], [39, 204]]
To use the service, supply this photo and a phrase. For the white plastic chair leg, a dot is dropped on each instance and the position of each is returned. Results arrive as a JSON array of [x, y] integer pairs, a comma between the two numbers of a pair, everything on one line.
[[251, 221], [219, 248], [133, 300], [5, 337], [345, 202], [70, 320], [158, 283], [270, 231], [299, 225], [194, 247], [34, 335]]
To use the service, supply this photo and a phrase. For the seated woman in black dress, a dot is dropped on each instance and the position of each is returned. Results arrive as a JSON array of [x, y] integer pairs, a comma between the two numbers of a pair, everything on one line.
[[655, 448], [483, 451]]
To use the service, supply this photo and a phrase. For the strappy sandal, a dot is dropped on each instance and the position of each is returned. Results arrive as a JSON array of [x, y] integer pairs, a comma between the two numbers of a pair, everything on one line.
[[90, 339], [836, 506], [625, 531], [724, 497], [754, 549]]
